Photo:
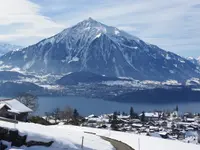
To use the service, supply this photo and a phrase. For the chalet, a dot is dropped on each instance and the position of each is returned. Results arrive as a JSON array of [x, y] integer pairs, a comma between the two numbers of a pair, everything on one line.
[[13, 109]]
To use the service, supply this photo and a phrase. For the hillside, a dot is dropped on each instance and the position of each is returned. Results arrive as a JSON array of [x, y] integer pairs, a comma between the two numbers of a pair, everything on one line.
[[63, 140], [12, 75], [160, 95], [72, 140], [85, 77], [15, 88]]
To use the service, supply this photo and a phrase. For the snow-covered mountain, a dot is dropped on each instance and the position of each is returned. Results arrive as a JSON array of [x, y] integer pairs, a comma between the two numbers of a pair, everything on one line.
[[196, 61], [101, 49], [4, 48]]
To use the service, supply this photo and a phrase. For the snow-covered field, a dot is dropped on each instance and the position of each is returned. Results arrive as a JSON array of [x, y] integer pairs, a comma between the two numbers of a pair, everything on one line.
[[64, 138], [70, 137], [133, 140]]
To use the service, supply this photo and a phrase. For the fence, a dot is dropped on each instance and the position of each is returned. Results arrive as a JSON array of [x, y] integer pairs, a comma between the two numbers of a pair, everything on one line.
[[8, 120]]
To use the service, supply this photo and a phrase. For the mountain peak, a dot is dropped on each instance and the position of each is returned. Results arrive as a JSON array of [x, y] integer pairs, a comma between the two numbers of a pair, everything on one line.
[[97, 28], [95, 47], [90, 22], [91, 19]]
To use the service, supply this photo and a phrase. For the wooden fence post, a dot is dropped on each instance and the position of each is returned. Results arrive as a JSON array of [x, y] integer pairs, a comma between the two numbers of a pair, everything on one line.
[[82, 142], [138, 143]]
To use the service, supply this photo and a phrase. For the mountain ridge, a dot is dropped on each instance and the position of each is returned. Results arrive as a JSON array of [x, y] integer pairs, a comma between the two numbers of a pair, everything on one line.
[[196, 61], [5, 47], [101, 49]]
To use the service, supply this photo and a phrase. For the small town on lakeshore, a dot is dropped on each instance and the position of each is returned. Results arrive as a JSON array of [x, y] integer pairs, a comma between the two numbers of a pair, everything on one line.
[[171, 125], [161, 124]]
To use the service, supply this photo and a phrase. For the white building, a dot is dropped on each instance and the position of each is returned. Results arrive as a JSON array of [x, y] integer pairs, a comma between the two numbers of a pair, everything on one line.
[[151, 116]]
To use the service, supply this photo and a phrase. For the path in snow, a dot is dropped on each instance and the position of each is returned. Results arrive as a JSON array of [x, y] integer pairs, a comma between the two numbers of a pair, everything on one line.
[[118, 145], [136, 141]]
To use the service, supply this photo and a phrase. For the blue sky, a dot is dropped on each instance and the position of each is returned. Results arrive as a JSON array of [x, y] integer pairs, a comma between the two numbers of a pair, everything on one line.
[[172, 25]]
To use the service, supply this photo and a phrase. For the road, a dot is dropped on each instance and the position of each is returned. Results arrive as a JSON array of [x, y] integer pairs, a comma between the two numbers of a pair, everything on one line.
[[118, 145]]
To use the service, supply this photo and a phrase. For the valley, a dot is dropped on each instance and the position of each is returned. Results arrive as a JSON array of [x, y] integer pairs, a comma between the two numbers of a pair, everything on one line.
[[90, 85], [99, 75], [94, 60]]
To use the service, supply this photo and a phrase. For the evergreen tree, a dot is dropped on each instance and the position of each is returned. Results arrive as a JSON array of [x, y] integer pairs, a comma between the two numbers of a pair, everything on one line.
[[118, 113], [123, 113], [114, 121], [176, 108], [75, 114], [75, 117], [143, 117], [136, 116], [131, 113], [114, 116]]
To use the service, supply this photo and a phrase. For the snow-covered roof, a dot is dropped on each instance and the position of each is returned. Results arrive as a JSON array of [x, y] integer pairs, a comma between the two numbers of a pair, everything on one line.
[[190, 119], [99, 119], [14, 111], [151, 114], [163, 133], [153, 128], [2, 105], [137, 125], [90, 116], [123, 116], [15, 106]]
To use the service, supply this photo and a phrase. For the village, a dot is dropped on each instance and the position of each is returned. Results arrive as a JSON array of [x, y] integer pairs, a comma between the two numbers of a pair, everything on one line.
[[170, 125], [166, 125]]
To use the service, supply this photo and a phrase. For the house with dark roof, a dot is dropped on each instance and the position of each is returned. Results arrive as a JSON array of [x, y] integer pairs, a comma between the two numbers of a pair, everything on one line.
[[13, 109]]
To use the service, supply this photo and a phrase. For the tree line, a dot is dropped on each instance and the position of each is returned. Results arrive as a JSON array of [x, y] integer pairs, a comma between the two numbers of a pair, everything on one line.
[[68, 114]]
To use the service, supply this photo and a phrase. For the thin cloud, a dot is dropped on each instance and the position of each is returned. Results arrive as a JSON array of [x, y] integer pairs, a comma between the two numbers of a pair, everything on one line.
[[27, 14], [163, 23]]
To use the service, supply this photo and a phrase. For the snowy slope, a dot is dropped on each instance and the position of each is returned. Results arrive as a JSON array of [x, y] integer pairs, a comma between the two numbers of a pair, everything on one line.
[[146, 142], [69, 137], [98, 48], [64, 139], [4, 48], [196, 61]]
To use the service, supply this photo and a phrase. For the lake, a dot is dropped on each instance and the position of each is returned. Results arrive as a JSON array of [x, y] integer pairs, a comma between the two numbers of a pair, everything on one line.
[[87, 106]]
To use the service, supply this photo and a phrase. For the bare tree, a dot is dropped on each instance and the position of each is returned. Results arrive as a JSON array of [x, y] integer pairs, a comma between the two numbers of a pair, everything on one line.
[[56, 114], [29, 100], [47, 114], [67, 113]]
